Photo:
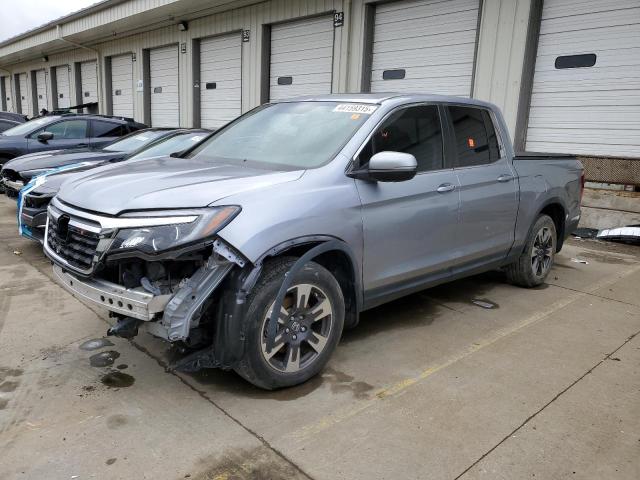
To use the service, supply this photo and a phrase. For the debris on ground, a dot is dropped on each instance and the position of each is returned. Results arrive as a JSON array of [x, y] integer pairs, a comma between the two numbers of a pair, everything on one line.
[[17, 252], [585, 232], [630, 234], [579, 260]]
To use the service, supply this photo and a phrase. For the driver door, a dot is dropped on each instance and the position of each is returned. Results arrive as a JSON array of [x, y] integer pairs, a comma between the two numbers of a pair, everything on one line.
[[72, 133], [409, 226]]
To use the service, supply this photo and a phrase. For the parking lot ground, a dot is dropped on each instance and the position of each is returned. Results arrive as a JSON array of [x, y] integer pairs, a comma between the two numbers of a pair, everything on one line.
[[546, 385]]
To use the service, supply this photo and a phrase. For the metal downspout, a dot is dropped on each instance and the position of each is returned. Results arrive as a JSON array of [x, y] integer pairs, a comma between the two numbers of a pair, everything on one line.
[[98, 61]]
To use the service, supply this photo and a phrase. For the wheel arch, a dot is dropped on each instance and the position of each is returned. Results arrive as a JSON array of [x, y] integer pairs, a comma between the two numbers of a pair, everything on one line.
[[339, 260], [555, 209]]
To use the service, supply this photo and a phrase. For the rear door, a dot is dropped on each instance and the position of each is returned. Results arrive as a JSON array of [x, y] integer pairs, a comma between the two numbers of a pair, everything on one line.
[[409, 226], [488, 187], [71, 133]]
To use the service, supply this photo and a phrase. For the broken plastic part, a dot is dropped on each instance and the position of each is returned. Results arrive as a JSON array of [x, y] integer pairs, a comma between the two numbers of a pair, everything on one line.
[[126, 327]]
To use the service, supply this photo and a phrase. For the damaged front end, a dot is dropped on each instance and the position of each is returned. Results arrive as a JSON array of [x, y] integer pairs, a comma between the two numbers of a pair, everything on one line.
[[153, 269]]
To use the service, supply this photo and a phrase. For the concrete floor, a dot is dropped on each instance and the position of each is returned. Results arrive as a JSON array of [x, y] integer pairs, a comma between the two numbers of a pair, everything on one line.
[[545, 385]]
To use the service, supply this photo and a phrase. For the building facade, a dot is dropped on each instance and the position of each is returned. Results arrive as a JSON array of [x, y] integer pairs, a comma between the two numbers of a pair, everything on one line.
[[566, 73]]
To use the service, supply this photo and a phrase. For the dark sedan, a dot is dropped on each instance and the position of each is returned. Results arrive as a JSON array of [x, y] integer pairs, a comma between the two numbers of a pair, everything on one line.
[[63, 132], [16, 173], [34, 199]]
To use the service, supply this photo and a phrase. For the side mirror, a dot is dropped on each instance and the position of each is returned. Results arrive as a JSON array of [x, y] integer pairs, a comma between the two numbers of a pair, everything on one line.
[[388, 167], [44, 137]]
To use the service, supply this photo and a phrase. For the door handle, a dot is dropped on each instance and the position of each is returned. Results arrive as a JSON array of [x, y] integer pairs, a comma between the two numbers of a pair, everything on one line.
[[505, 177], [445, 187]]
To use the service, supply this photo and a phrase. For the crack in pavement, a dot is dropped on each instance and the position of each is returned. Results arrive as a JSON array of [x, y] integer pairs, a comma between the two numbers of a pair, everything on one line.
[[556, 397], [593, 294]]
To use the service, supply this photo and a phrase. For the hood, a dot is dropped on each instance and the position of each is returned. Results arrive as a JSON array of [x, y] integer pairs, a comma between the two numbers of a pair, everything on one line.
[[47, 160], [165, 183], [52, 181]]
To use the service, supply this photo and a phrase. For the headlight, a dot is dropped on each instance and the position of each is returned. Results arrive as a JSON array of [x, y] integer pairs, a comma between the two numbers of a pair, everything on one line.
[[179, 230]]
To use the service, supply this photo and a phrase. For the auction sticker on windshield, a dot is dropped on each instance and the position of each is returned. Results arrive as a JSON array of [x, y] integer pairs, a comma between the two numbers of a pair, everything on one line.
[[355, 108]]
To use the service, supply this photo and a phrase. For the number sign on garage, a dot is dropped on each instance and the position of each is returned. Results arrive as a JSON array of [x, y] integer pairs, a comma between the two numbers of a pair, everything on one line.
[[301, 60], [585, 97], [220, 80], [122, 85], [62, 86], [163, 75], [424, 46]]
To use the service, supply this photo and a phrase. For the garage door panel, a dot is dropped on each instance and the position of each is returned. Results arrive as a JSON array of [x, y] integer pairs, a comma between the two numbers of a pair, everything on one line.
[[89, 82], [302, 50], [433, 42], [590, 21], [589, 110], [41, 90], [164, 86], [7, 93], [220, 64], [560, 9], [25, 95], [122, 85]]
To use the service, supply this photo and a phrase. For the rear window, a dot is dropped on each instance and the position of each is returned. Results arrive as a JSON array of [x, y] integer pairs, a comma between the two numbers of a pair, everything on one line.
[[107, 129], [475, 137]]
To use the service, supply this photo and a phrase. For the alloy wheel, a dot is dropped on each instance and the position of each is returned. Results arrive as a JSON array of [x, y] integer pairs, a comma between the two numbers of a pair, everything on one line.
[[542, 252]]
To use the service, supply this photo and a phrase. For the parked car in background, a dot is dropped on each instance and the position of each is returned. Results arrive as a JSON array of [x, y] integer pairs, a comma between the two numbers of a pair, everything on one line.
[[260, 245], [59, 132], [16, 173], [14, 117], [7, 124], [34, 199]]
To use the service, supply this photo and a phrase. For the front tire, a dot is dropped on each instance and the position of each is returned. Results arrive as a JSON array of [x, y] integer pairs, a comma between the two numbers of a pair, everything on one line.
[[535, 261], [309, 326]]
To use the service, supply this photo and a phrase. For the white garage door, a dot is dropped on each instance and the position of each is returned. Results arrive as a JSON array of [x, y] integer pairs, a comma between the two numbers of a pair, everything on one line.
[[62, 86], [424, 46], [7, 93], [89, 81], [586, 85], [220, 80], [41, 90], [25, 98], [122, 85], [301, 58], [165, 100]]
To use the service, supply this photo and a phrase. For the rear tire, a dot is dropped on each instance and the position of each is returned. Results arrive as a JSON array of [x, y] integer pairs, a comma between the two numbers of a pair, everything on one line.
[[309, 327], [535, 262]]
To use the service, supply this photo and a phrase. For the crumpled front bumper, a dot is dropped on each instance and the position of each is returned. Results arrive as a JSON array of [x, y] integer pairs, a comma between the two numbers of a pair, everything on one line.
[[135, 303], [168, 316]]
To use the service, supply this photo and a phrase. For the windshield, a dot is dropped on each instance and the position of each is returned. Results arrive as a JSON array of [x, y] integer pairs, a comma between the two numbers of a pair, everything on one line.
[[290, 136], [177, 143], [29, 126], [134, 142]]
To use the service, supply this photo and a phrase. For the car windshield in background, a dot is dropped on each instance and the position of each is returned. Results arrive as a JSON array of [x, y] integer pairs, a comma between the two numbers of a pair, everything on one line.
[[30, 126], [133, 142], [177, 143], [289, 136]]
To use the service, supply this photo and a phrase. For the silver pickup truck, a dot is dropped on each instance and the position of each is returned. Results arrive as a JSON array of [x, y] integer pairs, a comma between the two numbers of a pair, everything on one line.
[[259, 246]]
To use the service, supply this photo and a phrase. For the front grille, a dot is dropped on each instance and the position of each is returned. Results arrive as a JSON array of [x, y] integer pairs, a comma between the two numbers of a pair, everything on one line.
[[74, 245], [33, 200], [11, 175]]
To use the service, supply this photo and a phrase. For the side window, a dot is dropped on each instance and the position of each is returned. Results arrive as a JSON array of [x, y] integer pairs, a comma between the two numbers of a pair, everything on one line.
[[473, 144], [414, 130], [106, 129], [67, 129]]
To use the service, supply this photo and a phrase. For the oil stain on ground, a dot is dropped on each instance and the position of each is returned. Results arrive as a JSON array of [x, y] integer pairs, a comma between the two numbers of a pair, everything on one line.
[[95, 344], [257, 464], [117, 379], [103, 359]]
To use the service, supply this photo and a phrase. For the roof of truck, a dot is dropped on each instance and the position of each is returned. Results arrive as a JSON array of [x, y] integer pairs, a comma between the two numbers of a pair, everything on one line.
[[379, 98]]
